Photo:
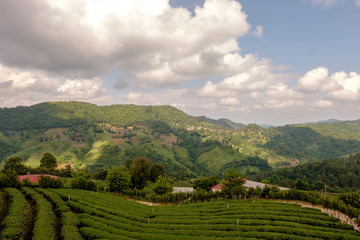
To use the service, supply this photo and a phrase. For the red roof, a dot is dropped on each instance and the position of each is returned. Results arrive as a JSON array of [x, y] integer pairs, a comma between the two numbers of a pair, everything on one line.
[[34, 178], [221, 185], [218, 186]]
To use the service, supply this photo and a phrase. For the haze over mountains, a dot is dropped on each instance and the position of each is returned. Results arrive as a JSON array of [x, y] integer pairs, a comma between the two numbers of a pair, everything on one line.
[[94, 137]]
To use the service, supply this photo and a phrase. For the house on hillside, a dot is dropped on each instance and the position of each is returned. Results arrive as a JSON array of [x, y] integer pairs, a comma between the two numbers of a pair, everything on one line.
[[251, 184], [247, 184], [183, 190], [217, 188], [34, 178]]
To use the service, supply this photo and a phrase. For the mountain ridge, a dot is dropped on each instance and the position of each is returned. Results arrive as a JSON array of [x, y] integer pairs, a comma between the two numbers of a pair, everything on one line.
[[94, 137]]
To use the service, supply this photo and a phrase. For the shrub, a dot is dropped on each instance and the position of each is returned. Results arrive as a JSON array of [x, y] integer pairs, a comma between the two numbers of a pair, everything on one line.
[[49, 182], [9, 179], [163, 185], [81, 183], [119, 179]]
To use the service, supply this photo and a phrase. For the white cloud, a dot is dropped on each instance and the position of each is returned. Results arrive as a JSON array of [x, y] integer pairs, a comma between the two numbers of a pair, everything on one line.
[[313, 80], [339, 85], [157, 44], [134, 97], [229, 101], [28, 87], [258, 31], [357, 3], [325, 3], [324, 103], [81, 88], [255, 87]]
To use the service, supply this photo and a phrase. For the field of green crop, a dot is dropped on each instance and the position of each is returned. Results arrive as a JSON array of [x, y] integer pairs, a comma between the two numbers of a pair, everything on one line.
[[79, 214]]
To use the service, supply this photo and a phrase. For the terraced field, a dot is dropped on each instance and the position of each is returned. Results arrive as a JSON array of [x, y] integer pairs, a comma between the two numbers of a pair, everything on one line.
[[77, 214]]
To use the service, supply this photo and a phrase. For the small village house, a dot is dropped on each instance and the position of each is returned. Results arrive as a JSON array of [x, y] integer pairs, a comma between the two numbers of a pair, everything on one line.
[[247, 184]]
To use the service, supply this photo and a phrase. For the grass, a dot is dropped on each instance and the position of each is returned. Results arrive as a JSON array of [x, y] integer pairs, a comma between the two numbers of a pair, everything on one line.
[[217, 158]]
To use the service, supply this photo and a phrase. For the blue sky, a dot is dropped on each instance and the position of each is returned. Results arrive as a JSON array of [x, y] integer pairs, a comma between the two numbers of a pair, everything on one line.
[[253, 61]]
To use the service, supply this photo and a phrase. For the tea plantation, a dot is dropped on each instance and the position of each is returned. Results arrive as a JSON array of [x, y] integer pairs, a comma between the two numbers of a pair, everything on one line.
[[78, 214]]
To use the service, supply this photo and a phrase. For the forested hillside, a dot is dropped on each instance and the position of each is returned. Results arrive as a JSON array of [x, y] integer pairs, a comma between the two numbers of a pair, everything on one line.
[[94, 137], [67, 114], [338, 174], [307, 144]]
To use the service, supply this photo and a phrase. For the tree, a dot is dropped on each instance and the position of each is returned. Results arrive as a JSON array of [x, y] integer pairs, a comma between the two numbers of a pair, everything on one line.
[[48, 161], [302, 185], [319, 185], [81, 180], [140, 172], [15, 164], [156, 171], [233, 184], [9, 179], [163, 185], [119, 179], [100, 174], [205, 183], [66, 172]]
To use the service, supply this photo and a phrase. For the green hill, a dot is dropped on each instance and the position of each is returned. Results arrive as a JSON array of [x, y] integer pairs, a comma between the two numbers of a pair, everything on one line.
[[338, 174], [226, 123], [67, 114], [94, 137], [313, 142]]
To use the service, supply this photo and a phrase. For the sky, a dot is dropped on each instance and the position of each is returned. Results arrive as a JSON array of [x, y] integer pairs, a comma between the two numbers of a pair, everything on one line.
[[251, 61]]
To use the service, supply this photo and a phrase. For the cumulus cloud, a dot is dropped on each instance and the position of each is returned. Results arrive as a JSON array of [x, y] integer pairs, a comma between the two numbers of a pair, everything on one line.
[[152, 41], [58, 50], [134, 97], [339, 85], [255, 86], [323, 103], [258, 31], [314, 80], [229, 101], [28, 87], [325, 3]]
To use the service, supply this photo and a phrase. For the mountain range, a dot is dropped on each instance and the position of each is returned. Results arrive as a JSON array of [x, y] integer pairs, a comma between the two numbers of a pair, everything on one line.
[[99, 137]]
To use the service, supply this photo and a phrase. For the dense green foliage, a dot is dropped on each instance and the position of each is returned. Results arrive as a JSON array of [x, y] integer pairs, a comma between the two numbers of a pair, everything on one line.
[[119, 179], [163, 185], [9, 180], [157, 170], [304, 143], [338, 174], [14, 164], [49, 182], [67, 114], [233, 184], [205, 183], [140, 172], [81, 180], [48, 161]]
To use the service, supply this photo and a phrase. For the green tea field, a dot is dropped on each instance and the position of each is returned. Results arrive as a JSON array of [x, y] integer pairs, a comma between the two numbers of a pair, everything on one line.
[[78, 214]]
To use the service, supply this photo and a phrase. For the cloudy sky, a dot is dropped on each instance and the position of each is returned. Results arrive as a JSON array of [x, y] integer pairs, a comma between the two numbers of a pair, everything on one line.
[[261, 61]]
